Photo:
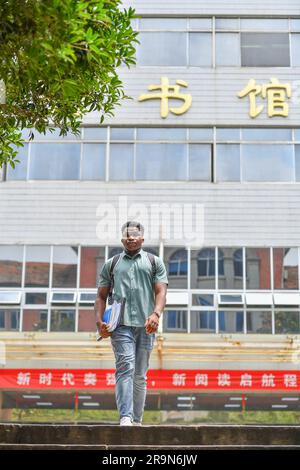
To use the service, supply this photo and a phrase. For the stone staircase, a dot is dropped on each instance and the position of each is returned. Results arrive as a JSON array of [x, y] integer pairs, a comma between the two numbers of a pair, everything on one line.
[[31, 436]]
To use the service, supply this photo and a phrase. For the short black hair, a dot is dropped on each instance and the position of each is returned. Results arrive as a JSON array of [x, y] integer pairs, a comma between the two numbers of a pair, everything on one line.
[[133, 223]]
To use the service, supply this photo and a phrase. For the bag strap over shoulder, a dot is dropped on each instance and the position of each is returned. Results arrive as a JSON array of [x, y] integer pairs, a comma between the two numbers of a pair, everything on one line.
[[151, 258]]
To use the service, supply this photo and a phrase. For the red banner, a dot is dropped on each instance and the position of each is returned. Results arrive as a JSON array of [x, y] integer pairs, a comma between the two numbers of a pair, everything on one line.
[[99, 379]]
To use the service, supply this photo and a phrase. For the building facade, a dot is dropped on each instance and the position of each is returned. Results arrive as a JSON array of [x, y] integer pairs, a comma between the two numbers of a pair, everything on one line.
[[207, 155]]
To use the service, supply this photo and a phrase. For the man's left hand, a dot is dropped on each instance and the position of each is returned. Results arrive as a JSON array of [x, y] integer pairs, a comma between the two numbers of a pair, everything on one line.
[[151, 324]]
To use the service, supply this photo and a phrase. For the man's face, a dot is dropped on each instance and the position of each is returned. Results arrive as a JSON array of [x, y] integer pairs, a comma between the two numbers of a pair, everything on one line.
[[132, 239]]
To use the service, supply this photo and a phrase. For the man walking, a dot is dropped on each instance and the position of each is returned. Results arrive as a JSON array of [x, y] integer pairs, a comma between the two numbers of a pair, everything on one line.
[[142, 280]]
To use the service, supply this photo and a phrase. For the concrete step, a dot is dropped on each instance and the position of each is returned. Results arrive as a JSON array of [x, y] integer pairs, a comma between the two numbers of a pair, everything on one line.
[[147, 437]]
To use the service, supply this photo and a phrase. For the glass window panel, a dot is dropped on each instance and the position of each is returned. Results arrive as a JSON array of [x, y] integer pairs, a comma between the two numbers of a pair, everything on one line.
[[35, 320], [297, 162], [63, 297], [259, 322], [175, 320], [200, 162], [151, 249], [87, 297], [161, 48], [205, 300], [9, 319], [258, 271], [86, 320], [231, 299], [297, 134], [95, 133], [11, 263], [285, 262], [196, 134], [20, 170], [267, 162], [228, 162], [54, 161], [231, 269], [161, 133], [276, 134], [265, 24], [228, 49], [227, 23], [161, 162], [287, 322], [62, 320], [200, 49], [121, 162], [295, 25], [65, 266], [295, 45], [54, 135], [37, 266], [224, 134], [231, 321], [203, 269], [176, 262], [10, 297], [265, 49], [121, 133], [92, 259], [93, 162], [203, 322], [35, 298], [200, 23], [162, 23]]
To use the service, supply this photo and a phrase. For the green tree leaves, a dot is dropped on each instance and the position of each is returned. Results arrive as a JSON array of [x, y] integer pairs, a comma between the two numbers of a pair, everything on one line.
[[58, 61]]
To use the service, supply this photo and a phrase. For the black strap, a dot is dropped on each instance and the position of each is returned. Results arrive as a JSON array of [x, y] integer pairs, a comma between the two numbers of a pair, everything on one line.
[[116, 258]]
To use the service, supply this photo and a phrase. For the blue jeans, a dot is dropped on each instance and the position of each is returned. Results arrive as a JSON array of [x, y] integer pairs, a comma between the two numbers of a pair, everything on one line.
[[132, 348]]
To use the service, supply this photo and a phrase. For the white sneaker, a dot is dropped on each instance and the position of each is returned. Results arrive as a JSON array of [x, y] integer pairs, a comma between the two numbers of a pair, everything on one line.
[[125, 421], [134, 423]]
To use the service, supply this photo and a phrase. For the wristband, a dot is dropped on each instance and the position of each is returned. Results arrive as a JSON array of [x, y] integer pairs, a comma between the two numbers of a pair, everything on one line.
[[157, 314]]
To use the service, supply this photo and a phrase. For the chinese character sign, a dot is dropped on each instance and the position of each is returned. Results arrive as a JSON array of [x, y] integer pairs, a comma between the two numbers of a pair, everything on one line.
[[99, 379], [274, 92], [167, 92]]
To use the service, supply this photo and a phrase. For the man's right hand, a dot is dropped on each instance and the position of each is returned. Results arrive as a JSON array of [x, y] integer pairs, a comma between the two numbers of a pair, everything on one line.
[[102, 329]]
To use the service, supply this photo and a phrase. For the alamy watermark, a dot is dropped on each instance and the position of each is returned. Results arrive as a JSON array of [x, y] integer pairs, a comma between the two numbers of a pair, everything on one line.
[[180, 224]]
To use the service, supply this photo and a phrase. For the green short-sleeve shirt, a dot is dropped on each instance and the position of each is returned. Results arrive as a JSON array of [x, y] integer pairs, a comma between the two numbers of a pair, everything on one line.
[[133, 280]]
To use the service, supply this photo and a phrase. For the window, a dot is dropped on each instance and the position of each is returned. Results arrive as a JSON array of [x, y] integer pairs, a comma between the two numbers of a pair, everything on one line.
[[297, 162], [20, 170], [10, 297], [121, 162], [203, 322], [259, 322], [35, 320], [267, 162], [287, 322], [92, 259], [62, 320], [63, 297], [176, 262], [87, 298], [54, 161], [258, 270], [161, 161], [35, 298], [285, 264], [11, 264], [175, 320], [64, 266], [228, 49], [231, 322], [93, 162], [238, 262], [37, 267], [265, 50], [9, 319], [204, 300], [232, 276], [228, 162], [162, 48], [203, 269], [200, 162]]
